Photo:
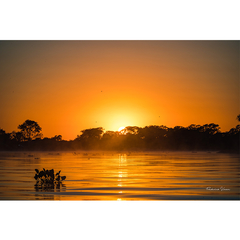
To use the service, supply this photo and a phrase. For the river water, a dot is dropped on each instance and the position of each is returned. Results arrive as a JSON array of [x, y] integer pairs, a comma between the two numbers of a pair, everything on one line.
[[122, 175]]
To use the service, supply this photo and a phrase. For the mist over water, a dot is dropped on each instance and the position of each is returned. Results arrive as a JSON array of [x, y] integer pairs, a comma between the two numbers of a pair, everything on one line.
[[122, 175]]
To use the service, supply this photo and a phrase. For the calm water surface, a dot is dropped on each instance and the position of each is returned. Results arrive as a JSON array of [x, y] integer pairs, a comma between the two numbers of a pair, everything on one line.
[[123, 176]]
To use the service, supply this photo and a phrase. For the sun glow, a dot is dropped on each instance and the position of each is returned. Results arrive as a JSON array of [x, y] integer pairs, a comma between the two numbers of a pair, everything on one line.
[[120, 129]]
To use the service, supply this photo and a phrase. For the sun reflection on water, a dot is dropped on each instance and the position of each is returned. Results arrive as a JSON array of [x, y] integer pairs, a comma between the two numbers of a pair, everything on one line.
[[122, 173]]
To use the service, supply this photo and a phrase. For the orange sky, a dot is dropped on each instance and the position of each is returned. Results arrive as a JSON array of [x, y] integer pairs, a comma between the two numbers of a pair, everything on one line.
[[68, 86]]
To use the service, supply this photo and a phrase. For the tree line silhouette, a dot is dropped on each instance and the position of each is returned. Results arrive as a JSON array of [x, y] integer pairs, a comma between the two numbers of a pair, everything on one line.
[[206, 137]]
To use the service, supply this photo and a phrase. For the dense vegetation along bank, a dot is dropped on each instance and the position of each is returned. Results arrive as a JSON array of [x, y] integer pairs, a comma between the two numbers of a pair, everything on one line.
[[194, 137]]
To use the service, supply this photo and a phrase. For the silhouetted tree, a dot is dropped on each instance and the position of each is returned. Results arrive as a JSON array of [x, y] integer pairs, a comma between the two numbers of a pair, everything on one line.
[[57, 138], [231, 139], [17, 136], [131, 130], [91, 133], [30, 130], [154, 136], [111, 140], [238, 117], [235, 130], [90, 138], [4, 139], [210, 128], [2, 132]]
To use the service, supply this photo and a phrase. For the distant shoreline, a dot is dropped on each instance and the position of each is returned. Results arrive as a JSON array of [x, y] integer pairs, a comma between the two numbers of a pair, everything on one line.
[[122, 151]]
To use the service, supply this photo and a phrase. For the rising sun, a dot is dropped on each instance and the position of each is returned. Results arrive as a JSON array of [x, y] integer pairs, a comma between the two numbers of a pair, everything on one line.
[[120, 129]]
